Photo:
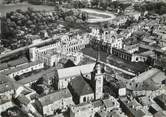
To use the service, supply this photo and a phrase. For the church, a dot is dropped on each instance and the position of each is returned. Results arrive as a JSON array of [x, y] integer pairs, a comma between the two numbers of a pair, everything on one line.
[[85, 82]]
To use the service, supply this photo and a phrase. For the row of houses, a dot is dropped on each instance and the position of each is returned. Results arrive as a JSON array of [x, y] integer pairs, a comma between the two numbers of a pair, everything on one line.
[[29, 67]]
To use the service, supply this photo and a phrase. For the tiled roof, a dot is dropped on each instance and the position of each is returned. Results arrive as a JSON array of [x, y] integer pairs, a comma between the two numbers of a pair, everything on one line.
[[53, 97], [13, 63], [81, 107], [18, 61], [80, 86], [108, 103], [23, 100], [5, 84], [131, 105], [97, 103]]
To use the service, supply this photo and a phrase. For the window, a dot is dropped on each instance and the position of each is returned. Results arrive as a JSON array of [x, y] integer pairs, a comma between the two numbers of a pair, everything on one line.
[[136, 58], [84, 99]]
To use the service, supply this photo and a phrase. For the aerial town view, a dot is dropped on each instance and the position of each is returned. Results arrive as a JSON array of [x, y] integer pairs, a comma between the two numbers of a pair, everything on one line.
[[82, 58]]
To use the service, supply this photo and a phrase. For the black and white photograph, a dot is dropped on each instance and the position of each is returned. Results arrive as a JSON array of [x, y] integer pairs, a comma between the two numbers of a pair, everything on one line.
[[82, 58]]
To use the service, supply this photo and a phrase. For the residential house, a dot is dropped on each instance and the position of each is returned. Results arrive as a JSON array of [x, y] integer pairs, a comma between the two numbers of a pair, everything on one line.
[[111, 103], [7, 86], [134, 109], [82, 110], [155, 75], [6, 91], [50, 103]]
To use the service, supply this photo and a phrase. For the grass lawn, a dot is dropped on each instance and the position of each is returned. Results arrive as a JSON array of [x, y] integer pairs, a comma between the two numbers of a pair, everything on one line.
[[7, 8]]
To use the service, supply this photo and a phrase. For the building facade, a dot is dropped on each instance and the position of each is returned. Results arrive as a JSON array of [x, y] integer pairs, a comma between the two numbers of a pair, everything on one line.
[[67, 47], [24, 69]]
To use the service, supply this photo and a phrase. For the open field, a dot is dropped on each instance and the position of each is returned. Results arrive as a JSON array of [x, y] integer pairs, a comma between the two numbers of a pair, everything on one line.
[[7, 8]]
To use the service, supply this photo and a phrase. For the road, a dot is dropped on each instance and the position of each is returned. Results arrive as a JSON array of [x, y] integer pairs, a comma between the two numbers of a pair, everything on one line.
[[98, 12], [99, 15], [99, 20]]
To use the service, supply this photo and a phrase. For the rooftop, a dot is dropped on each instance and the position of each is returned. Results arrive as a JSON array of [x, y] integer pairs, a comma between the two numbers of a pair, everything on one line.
[[109, 103], [14, 63], [155, 74], [46, 74], [6, 84], [81, 107], [18, 61], [23, 100], [148, 53], [21, 67], [131, 105], [55, 96], [75, 71], [80, 86], [97, 103]]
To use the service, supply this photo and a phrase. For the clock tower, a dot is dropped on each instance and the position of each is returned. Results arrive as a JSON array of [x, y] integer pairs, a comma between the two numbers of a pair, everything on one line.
[[97, 78]]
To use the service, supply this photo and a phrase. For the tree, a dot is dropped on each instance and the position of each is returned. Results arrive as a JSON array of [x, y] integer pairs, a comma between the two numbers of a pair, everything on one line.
[[37, 88], [69, 63], [95, 3], [40, 80], [149, 61], [70, 19], [30, 9], [84, 16], [17, 78]]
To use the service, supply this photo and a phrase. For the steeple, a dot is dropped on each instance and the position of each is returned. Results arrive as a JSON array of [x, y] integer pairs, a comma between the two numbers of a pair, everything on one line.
[[97, 77], [98, 68], [98, 54]]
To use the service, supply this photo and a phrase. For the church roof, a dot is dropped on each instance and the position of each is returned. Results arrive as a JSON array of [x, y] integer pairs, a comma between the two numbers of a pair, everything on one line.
[[80, 86], [75, 71]]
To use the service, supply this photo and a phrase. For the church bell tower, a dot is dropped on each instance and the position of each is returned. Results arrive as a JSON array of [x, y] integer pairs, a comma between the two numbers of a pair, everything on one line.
[[97, 78]]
